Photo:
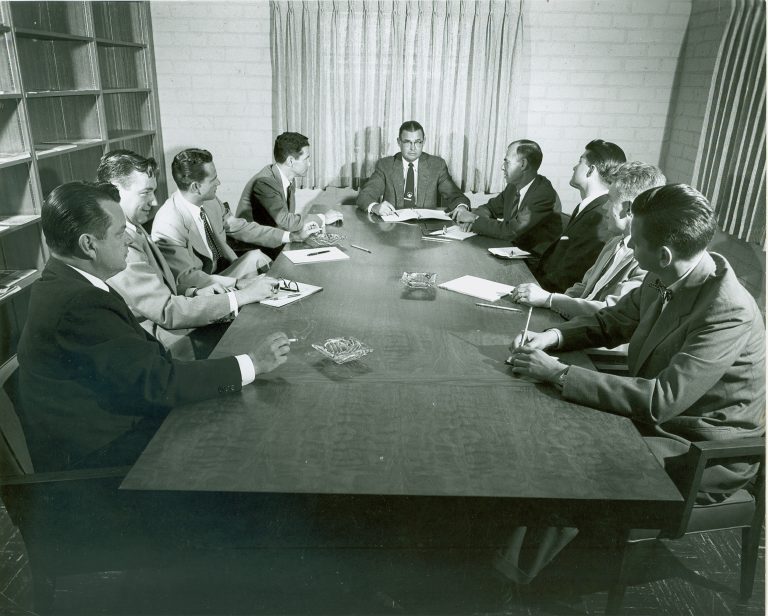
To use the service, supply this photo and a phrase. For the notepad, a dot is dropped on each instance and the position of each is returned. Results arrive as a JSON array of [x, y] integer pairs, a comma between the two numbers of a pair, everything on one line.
[[315, 255], [454, 233], [478, 287], [288, 297], [509, 253], [415, 214]]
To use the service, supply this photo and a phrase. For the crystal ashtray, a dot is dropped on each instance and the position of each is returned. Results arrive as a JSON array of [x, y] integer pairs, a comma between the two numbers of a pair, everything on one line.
[[323, 239], [419, 280], [342, 350]]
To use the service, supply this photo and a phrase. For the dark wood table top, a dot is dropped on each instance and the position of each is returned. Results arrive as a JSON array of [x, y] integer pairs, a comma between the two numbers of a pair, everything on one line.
[[432, 411]]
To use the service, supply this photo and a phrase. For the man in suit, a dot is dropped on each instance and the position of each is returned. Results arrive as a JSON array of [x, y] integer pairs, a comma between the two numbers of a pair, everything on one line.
[[409, 179], [269, 197], [147, 283], [615, 272], [696, 342], [528, 207], [190, 229], [88, 372], [565, 260]]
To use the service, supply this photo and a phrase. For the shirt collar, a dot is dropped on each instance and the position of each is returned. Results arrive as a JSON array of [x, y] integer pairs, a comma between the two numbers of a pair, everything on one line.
[[96, 282], [415, 165], [524, 189], [286, 181], [585, 202], [679, 282], [191, 207]]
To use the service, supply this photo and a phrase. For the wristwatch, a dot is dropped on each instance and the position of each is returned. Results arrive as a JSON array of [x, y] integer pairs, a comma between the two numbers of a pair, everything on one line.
[[560, 383]]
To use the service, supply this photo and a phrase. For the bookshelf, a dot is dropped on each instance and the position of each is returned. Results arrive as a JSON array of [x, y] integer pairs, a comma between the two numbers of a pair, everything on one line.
[[77, 79]]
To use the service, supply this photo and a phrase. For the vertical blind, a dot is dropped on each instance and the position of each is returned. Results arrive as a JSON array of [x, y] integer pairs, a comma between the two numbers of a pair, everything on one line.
[[347, 73], [730, 164]]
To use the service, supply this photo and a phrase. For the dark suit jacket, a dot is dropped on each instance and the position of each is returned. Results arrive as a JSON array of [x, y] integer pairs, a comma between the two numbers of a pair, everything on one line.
[[87, 370], [567, 259], [386, 184], [533, 223], [697, 371], [263, 201]]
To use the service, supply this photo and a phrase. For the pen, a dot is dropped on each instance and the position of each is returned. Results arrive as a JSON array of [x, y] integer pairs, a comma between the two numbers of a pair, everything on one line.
[[319, 252], [498, 307], [527, 323], [395, 213], [361, 248], [436, 239]]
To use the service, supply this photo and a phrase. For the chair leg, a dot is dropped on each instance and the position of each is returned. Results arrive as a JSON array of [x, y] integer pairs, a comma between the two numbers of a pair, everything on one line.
[[750, 542], [619, 583]]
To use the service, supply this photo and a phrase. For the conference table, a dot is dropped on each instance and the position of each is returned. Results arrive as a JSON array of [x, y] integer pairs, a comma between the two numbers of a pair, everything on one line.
[[432, 419]]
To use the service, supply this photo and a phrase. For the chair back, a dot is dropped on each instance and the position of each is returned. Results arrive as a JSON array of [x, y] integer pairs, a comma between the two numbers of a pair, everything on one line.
[[14, 454]]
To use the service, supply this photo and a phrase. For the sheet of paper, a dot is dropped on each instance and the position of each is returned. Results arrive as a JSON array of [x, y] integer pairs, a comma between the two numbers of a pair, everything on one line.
[[288, 297], [510, 252], [415, 214], [315, 255], [478, 287], [454, 233]]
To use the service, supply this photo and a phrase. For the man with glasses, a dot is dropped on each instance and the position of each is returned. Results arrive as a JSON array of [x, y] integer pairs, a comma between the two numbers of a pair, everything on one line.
[[410, 179], [528, 207]]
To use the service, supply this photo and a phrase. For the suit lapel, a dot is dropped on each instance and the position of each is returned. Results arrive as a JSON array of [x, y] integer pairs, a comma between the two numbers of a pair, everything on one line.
[[148, 247], [596, 203], [198, 242], [279, 183], [424, 179], [398, 181], [682, 303]]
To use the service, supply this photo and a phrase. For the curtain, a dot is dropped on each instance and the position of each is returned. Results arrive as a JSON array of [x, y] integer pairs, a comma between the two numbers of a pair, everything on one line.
[[730, 164], [348, 73]]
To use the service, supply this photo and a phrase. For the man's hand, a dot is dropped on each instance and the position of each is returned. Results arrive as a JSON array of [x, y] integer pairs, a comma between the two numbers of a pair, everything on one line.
[[530, 294], [333, 216], [383, 208], [311, 228], [270, 353], [255, 290], [462, 216], [212, 289], [534, 340], [536, 364]]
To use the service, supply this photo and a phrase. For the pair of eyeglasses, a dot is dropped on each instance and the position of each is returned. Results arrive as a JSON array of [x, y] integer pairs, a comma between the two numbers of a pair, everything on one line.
[[287, 285]]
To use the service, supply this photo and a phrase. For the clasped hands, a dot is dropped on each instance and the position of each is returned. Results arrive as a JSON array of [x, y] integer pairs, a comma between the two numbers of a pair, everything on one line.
[[528, 358], [463, 217]]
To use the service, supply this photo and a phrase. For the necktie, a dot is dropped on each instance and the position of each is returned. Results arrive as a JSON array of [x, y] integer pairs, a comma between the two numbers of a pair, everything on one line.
[[576, 212], [606, 267], [515, 205], [215, 254], [666, 294], [289, 196], [409, 199]]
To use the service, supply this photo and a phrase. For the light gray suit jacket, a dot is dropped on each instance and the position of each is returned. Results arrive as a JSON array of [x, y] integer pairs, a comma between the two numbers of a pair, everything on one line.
[[176, 234], [148, 286], [626, 275]]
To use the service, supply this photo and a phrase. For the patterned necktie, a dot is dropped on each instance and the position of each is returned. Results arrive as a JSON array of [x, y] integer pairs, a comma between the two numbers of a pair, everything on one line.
[[215, 254], [409, 199], [666, 294], [515, 205]]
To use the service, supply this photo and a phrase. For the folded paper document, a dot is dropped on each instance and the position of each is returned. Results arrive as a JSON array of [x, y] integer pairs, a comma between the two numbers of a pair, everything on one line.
[[315, 255], [509, 253], [285, 297], [478, 287]]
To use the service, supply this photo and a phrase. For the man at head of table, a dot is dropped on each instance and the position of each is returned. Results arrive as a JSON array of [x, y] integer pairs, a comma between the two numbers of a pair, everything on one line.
[[696, 342], [566, 259], [527, 212], [409, 179], [93, 384]]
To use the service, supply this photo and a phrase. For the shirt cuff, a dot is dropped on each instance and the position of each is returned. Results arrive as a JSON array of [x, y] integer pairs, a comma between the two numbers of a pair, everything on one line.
[[247, 369], [559, 335], [321, 217], [370, 207], [286, 237], [233, 307]]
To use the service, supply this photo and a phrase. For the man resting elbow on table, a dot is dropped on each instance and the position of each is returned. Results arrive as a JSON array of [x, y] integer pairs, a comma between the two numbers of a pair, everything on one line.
[[94, 385], [615, 272], [696, 343]]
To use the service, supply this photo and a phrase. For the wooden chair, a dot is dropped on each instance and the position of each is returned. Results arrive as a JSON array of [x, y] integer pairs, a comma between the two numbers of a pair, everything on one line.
[[42, 505], [745, 509]]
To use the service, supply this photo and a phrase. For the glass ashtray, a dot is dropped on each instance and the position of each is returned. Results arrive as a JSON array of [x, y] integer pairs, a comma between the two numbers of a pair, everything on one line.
[[323, 239], [342, 350], [419, 280]]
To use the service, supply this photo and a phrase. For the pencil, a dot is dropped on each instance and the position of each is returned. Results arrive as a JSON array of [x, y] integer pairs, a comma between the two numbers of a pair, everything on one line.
[[527, 323], [361, 248], [498, 307]]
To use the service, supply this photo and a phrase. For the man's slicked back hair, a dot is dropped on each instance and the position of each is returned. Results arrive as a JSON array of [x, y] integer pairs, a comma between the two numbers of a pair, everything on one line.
[[289, 144]]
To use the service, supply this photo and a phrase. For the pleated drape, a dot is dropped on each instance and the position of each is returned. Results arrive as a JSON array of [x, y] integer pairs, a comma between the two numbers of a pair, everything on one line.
[[347, 73], [730, 165]]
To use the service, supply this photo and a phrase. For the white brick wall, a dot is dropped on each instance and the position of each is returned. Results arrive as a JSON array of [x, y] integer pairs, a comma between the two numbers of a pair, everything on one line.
[[591, 68], [214, 74], [598, 69]]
